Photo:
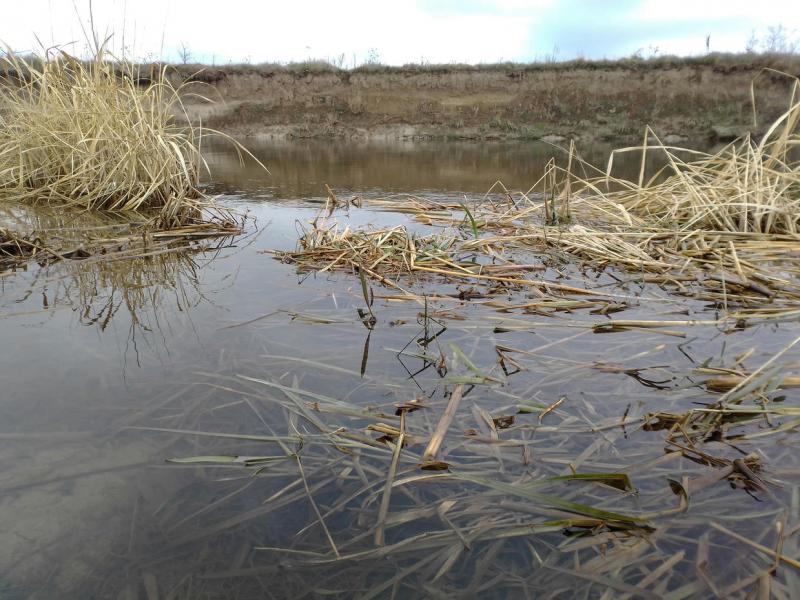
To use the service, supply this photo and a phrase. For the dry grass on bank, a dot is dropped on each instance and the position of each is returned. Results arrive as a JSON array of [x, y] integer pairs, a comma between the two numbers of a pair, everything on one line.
[[86, 135], [725, 62]]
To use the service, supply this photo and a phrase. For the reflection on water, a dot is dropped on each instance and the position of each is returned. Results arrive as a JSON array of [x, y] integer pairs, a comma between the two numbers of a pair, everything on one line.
[[105, 273], [301, 169], [103, 362]]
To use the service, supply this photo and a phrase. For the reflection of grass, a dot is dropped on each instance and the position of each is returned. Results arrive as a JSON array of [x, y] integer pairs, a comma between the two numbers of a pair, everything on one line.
[[103, 264], [137, 285]]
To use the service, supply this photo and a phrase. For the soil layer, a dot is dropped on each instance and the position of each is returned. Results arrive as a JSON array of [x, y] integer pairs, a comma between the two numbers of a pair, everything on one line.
[[708, 97]]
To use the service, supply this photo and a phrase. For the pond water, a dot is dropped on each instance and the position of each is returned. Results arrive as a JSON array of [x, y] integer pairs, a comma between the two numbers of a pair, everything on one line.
[[109, 370]]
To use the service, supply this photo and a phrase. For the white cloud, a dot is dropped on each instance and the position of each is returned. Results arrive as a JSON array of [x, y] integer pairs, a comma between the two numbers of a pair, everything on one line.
[[398, 32], [235, 30], [761, 14]]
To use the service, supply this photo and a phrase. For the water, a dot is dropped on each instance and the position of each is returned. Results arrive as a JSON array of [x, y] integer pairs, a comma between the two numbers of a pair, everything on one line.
[[99, 360]]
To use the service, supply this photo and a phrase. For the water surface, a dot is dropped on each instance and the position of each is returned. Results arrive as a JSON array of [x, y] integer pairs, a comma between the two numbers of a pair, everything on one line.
[[99, 359]]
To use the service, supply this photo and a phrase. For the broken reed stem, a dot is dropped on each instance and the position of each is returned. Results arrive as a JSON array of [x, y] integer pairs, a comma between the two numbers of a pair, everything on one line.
[[729, 382], [768, 551], [760, 369], [383, 511], [444, 424], [316, 510]]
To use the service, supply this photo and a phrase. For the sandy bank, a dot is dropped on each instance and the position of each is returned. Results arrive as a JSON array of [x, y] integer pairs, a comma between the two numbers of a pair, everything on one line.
[[680, 98]]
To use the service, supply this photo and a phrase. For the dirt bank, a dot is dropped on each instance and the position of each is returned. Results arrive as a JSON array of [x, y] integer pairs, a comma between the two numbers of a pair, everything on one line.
[[679, 98]]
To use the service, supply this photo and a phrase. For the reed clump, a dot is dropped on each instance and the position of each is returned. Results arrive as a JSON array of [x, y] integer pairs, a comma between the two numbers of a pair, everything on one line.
[[748, 190], [391, 251], [747, 187], [86, 134]]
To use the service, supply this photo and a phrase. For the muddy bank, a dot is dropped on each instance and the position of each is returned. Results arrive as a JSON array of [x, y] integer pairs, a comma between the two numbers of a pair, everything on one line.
[[703, 98]]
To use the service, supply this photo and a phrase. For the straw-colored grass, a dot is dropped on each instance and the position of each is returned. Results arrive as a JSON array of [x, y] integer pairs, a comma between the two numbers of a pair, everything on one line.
[[86, 134], [722, 228], [387, 254], [748, 187]]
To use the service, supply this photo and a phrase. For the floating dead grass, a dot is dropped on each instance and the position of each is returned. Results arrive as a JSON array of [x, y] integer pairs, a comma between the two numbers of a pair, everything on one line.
[[121, 243], [717, 227], [388, 254]]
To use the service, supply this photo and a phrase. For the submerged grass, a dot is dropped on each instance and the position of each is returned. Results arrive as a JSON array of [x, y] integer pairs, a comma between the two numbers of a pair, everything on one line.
[[350, 500], [512, 469], [721, 229]]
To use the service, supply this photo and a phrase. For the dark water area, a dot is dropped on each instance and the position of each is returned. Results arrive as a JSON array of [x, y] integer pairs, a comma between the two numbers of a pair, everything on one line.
[[110, 369]]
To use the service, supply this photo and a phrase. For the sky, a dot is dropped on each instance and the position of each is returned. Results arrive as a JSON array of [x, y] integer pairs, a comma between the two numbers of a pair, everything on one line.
[[351, 32]]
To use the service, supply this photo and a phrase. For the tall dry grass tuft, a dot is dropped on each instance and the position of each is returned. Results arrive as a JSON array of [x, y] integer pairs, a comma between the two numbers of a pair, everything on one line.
[[747, 187], [86, 134]]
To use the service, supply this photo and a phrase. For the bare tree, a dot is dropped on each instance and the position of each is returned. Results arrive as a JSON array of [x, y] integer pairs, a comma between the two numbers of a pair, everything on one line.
[[777, 40], [752, 43], [184, 54]]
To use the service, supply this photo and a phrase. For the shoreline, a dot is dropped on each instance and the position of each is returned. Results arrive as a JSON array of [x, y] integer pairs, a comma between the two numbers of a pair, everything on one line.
[[421, 133]]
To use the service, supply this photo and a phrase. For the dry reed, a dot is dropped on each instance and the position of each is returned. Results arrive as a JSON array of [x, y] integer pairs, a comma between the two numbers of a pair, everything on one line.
[[719, 227], [87, 134]]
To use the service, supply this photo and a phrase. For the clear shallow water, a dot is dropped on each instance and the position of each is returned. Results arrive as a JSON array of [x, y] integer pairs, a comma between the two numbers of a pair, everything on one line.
[[91, 352]]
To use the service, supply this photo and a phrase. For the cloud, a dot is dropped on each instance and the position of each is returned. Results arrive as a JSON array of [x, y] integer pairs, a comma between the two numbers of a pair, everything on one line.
[[620, 28], [423, 30], [236, 30]]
